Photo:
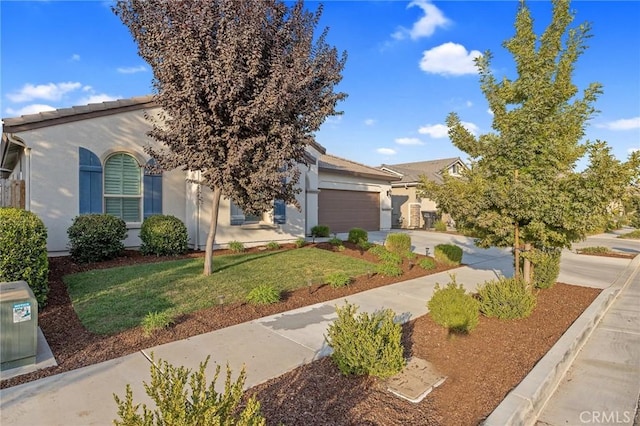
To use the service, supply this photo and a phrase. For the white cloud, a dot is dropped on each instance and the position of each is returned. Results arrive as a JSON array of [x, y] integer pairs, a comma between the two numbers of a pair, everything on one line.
[[469, 104], [439, 131], [489, 112], [29, 109], [386, 151], [622, 124], [432, 19], [449, 59], [75, 57], [409, 141], [97, 98], [369, 122], [132, 70], [50, 92], [436, 131]]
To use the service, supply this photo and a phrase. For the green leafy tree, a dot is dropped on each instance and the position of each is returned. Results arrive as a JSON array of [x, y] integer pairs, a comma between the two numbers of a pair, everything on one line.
[[242, 85], [522, 186]]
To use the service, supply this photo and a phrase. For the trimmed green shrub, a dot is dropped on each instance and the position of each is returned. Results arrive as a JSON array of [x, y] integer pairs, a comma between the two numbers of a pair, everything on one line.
[[156, 321], [366, 344], [506, 298], [546, 267], [301, 242], [440, 226], [23, 251], [273, 245], [410, 255], [449, 254], [182, 397], [320, 231], [633, 235], [427, 263], [398, 243], [364, 245], [264, 294], [96, 237], [338, 279], [163, 235], [389, 269], [335, 241], [236, 246], [454, 309], [357, 235]]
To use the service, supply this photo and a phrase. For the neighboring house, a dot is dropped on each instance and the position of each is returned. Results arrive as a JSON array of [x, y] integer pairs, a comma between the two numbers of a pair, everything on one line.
[[90, 159], [408, 210]]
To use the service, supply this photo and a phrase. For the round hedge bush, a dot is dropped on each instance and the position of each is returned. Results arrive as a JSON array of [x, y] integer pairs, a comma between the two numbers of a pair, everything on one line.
[[23, 250], [96, 237], [163, 235]]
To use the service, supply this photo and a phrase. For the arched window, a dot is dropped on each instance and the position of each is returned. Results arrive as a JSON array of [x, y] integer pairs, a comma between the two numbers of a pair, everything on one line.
[[122, 187]]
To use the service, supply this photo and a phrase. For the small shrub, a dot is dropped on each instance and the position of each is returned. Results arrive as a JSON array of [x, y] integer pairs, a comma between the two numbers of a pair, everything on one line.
[[273, 245], [410, 255], [23, 251], [449, 254], [398, 243], [389, 257], [454, 309], [340, 248], [427, 263], [320, 231], [335, 241], [506, 298], [366, 344], [594, 250], [96, 237], [169, 390], [156, 321], [377, 250], [236, 246], [301, 242], [357, 235], [338, 279], [364, 245], [633, 235], [163, 235], [440, 226], [389, 269], [546, 267], [264, 294]]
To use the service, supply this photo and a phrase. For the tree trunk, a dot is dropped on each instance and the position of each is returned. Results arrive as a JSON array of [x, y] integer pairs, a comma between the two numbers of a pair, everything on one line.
[[516, 251], [213, 226], [527, 265]]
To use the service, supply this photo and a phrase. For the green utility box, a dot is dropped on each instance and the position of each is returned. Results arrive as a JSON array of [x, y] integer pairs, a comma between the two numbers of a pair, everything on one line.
[[18, 325]]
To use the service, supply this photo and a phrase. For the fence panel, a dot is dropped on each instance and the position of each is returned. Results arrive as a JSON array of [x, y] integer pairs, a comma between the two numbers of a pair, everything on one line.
[[12, 193]]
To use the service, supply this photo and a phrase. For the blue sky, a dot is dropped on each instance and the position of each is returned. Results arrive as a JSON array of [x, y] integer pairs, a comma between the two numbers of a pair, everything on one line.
[[409, 64]]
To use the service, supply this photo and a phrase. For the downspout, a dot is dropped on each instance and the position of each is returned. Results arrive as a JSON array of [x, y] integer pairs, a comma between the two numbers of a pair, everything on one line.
[[27, 179]]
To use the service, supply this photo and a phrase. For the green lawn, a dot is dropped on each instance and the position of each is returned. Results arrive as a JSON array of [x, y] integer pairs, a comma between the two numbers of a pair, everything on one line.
[[112, 300]]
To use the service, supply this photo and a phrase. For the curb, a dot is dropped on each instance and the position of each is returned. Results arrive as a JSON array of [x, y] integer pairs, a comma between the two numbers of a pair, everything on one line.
[[525, 402]]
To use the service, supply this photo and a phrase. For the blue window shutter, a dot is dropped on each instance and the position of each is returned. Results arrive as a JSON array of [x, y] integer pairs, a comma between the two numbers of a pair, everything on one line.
[[90, 182], [152, 191], [279, 212]]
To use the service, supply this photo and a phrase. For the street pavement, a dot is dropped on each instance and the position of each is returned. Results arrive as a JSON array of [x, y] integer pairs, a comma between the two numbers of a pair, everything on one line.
[[267, 347]]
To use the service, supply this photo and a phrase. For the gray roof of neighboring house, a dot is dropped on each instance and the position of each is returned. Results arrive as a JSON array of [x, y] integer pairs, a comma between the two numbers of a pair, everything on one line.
[[332, 164], [411, 172]]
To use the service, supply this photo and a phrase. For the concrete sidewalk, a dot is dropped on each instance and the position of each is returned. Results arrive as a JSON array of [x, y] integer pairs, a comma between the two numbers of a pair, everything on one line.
[[267, 347]]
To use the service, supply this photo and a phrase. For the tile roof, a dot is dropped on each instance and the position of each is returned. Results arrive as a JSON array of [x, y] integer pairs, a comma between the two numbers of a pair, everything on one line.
[[432, 169], [332, 164], [75, 113]]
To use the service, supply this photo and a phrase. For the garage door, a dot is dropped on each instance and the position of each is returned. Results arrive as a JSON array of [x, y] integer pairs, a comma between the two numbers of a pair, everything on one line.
[[343, 210]]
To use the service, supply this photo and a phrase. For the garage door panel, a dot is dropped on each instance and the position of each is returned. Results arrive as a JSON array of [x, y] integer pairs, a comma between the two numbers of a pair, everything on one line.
[[343, 210]]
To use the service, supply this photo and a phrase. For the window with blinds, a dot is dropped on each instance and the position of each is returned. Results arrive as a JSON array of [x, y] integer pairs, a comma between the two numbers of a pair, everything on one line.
[[122, 187]]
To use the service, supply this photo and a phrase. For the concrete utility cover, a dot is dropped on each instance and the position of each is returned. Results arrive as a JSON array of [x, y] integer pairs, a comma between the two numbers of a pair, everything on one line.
[[416, 380]]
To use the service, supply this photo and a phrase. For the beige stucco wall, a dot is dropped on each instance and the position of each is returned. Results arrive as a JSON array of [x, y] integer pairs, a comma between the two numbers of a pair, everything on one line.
[[354, 183], [402, 198], [50, 169]]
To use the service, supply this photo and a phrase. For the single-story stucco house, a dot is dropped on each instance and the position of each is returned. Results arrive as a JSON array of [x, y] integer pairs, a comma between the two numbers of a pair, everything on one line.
[[408, 210], [90, 159]]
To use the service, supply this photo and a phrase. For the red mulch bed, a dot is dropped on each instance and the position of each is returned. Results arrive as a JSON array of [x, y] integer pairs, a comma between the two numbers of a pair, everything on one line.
[[481, 367]]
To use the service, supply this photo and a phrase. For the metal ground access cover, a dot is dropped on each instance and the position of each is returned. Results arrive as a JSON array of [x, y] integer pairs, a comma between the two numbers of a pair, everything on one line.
[[416, 380]]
